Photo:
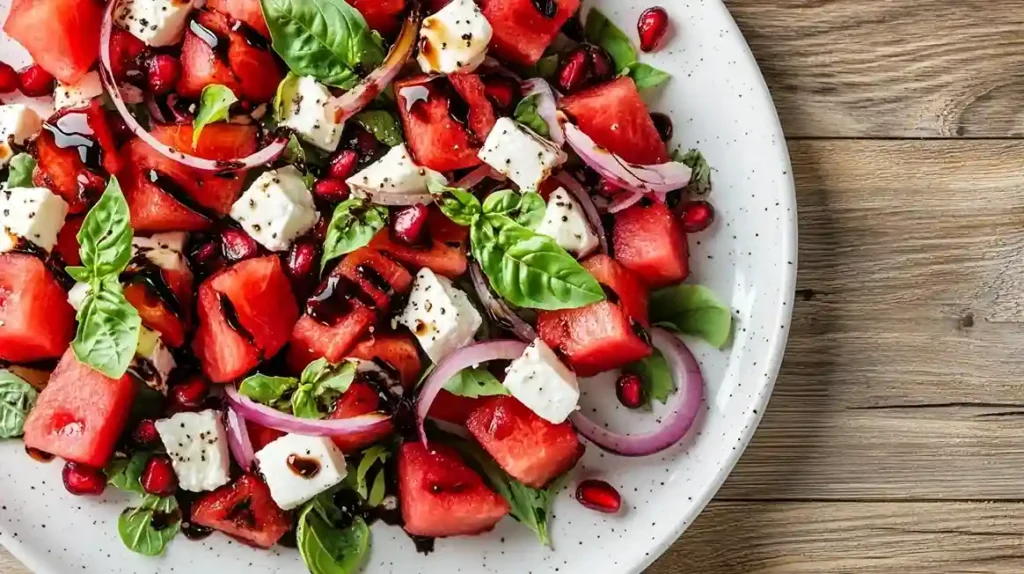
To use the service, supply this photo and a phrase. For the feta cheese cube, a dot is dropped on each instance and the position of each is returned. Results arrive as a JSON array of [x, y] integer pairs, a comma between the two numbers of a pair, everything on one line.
[[155, 22], [297, 468], [541, 382], [454, 40], [440, 315], [276, 209], [520, 155], [394, 173], [77, 295], [153, 362], [78, 95], [305, 106], [173, 240], [198, 447], [566, 223], [18, 123], [34, 214], [165, 250]]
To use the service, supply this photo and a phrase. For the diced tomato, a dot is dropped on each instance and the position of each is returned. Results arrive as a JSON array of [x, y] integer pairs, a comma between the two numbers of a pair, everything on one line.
[[67, 240], [247, 11], [376, 274], [481, 112], [360, 399], [650, 241], [261, 295], [444, 252], [36, 320], [627, 287], [616, 118], [397, 351], [312, 339], [436, 140], [251, 71], [80, 414], [260, 436], [454, 409], [521, 31], [383, 16], [63, 36], [596, 338], [441, 496], [154, 209], [243, 510], [224, 353], [529, 448]]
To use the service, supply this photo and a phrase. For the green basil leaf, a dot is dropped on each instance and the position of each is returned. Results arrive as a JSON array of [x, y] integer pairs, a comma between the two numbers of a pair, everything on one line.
[[304, 404], [383, 125], [326, 39], [126, 473], [106, 234], [17, 398], [294, 152], [526, 114], [700, 181], [378, 491], [148, 528], [328, 381], [214, 106], [459, 205], [20, 171], [526, 209], [266, 389], [692, 310], [80, 274], [371, 456], [601, 31], [353, 225], [108, 332], [474, 383], [324, 546], [645, 76], [656, 375], [547, 66]]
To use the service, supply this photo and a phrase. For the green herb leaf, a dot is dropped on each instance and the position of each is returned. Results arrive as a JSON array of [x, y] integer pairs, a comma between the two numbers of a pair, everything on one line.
[[547, 66], [326, 39], [353, 225], [329, 381], [378, 491], [646, 76], [325, 547], [267, 390], [474, 383], [371, 457], [20, 171], [700, 180], [383, 125], [106, 234], [692, 310], [108, 331], [214, 106], [601, 31], [656, 375], [17, 398], [148, 528], [126, 473], [304, 404], [526, 209], [294, 153], [459, 205], [526, 114]]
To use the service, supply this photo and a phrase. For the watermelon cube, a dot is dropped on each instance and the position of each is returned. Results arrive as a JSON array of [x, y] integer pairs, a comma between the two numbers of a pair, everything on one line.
[[649, 240], [626, 287], [243, 510], [396, 352], [521, 31], [360, 399], [444, 252], [30, 297], [596, 338], [436, 139]]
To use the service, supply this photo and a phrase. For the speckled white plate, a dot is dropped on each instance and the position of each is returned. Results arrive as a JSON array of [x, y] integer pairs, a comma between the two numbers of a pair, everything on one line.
[[719, 103]]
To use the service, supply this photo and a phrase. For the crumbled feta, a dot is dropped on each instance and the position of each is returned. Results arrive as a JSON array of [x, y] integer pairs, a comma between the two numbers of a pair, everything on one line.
[[541, 382], [77, 295], [34, 214], [276, 209], [440, 315], [297, 468], [305, 106], [520, 155], [155, 22], [78, 95], [454, 40], [394, 173], [18, 123], [198, 447], [153, 361], [566, 223]]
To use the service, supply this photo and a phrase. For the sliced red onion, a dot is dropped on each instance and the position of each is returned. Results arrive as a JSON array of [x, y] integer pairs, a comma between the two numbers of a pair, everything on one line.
[[684, 406], [473, 178], [463, 358], [625, 200], [573, 186], [502, 314], [238, 440], [546, 107], [275, 419]]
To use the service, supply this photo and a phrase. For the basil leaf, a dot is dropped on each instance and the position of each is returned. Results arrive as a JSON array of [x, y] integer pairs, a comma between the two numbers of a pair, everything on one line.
[[108, 332], [326, 39], [20, 171], [126, 473], [148, 528], [526, 209], [378, 491], [80, 274], [700, 180], [324, 375], [17, 398], [382, 125], [601, 31], [526, 114], [656, 375], [475, 383], [645, 76], [267, 390], [326, 548], [214, 106], [547, 66], [353, 225], [692, 310], [372, 456], [459, 205], [106, 234], [304, 404]]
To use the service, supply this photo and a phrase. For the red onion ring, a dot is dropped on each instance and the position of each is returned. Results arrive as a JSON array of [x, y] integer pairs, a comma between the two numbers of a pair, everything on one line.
[[573, 186], [502, 314], [625, 200], [684, 405], [463, 358], [275, 419], [546, 107], [473, 178], [238, 440]]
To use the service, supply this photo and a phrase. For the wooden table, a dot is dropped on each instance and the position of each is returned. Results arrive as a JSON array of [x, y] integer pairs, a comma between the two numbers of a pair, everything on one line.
[[894, 442]]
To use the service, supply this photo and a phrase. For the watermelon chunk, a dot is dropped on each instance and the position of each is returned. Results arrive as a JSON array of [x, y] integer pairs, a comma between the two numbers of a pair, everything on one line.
[[80, 414], [359, 399], [453, 408], [441, 496], [435, 138], [521, 31], [443, 253], [394, 351], [624, 284], [261, 436], [224, 353], [243, 510], [261, 296], [31, 298], [248, 11], [73, 166], [67, 240], [312, 339], [472, 90], [383, 16], [649, 240], [596, 338], [201, 66], [152, 208], [529, 448], [376, 274], [617, 119], [63, 36], [167, 313]]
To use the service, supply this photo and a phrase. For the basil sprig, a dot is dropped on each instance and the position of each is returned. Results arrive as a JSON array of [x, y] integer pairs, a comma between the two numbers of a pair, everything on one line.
[[17, 398], [352, 226], [214, 106], [126, 473], [373, 457], [526, 114], [148, 528], [328, 543], [19, 171], [310, 396], [525, 268], [700, 179], [603, 32], [108, 325], [692, 310]]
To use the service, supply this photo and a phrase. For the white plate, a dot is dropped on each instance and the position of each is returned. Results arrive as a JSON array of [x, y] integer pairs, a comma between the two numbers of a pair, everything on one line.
[[720, 104]]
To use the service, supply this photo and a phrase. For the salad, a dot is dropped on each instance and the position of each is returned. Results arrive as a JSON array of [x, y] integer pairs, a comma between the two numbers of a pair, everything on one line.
[[285, 268]]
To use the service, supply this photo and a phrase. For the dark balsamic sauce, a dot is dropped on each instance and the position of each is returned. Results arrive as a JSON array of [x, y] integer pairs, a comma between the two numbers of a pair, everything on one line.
[[141, 270], [547, 8], [190, 529], [71, 130], [367, 272], [303, 466], [333, 299], [38, 455], [176, 191], [231, 316]]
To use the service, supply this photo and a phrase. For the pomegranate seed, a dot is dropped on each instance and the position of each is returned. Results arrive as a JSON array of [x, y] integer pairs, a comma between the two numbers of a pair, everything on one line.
[[82, 480], [599, 495], [8, 79], [207, 257], [162, 71], [367, 146], [321, 227], [697, 216], [158, 477], [601, 67], [630, 391], [330, 189], [664, 125], [410, 223], [190, 394], [653, 27], [145, 432], [342, 165], [302, 260], [502, 91], [36, 82], [237, 245], [574, 73]]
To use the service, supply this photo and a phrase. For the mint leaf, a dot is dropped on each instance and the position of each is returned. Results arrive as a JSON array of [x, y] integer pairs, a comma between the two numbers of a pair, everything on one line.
[[459, 205], [692, 310], [526, 114], [214, 106], [383, 125], [20, 171], [148, 528], [106, 234], [645, 76], [325, 545], [126, 473], [656, 375], [475, 383], [108, 332], [267, 390], [17, 398], [353, 225], [700, 181], [601, 31], [526, 209]]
